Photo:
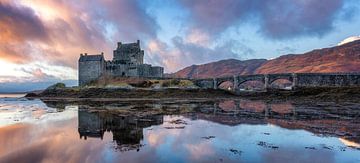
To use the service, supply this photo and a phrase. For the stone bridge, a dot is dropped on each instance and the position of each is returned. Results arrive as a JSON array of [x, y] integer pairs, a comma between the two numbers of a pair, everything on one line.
[[298, 80]]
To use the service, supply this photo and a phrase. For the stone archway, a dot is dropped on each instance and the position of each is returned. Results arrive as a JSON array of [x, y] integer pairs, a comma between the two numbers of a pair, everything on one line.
[[281, 83], [251, 85], [226, 85]]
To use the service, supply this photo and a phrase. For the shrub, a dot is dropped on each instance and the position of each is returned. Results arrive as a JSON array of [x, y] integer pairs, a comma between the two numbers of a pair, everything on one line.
[[56, 86]]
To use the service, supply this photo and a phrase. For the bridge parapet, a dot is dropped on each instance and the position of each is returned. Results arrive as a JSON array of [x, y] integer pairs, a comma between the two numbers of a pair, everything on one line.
[[328, 80], [297, 79]]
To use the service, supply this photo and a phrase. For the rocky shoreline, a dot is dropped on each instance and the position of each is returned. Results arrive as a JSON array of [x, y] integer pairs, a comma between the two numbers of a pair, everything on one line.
[[327, 94]]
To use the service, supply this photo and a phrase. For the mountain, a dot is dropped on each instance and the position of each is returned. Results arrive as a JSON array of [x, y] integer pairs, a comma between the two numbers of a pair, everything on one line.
[[220, 68], [14, 87], [343, 58]]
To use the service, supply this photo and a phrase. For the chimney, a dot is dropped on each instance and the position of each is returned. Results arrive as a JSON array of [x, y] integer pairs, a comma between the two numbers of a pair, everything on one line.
[[85, 54], [81, 55], [119, 44], [138, 42]]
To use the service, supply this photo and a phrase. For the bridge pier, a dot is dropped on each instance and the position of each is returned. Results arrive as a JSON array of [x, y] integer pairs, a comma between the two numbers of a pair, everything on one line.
[[294, 82], [266, 81], [294, 114], [215, 83], [236, 83], [267, 110], [216, 106]]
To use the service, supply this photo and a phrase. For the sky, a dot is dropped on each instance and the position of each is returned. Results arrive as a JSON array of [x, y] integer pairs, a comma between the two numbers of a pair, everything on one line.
[[41, 40]]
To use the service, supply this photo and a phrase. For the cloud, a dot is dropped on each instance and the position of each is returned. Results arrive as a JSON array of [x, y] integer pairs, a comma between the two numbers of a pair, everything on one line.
[[37, 75], [56, 32], [286, 19], [20, 23], [276, 19], [349, 39], [184, 53], [18, 26]]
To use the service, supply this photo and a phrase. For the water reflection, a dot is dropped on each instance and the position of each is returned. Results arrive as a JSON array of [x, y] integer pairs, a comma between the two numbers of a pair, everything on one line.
[[127, 131], [180, 131]]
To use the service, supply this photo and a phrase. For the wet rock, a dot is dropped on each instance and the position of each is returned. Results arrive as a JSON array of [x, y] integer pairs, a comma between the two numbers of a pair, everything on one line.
[[235, 151], [178, 121], [327, 147], [208, 137], [129, 147], [179, 127], [342, 149], [31, 94], [267, 145], [312, 148]]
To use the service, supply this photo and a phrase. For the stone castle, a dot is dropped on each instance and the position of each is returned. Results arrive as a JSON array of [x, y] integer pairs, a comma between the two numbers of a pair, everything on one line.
[[128, 61]]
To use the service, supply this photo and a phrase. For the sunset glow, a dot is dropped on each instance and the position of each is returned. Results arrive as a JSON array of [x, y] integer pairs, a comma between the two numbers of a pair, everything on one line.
[[174, 34]]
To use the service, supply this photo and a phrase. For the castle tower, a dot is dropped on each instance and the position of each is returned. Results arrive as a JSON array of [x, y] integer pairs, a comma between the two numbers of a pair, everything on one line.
[[129, 53], [91, 67]]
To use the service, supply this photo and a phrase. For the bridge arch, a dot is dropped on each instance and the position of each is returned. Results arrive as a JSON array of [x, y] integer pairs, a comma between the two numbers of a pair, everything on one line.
[[274, 77], [243, 79], [204, 83], [281, 83], [220, 81], [252, 85], [226, 85]]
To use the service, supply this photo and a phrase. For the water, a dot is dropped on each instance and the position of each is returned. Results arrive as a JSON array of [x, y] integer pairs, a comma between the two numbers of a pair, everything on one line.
[[178, 131], [12, 95]]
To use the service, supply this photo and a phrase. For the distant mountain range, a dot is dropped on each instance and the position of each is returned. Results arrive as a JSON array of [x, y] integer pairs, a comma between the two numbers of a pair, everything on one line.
[[343, 58], [16, 87]]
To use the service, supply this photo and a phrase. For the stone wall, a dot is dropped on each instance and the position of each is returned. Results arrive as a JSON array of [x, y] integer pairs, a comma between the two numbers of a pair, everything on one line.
[[90, 70], [327, 80], [156, 71], [133, 70]]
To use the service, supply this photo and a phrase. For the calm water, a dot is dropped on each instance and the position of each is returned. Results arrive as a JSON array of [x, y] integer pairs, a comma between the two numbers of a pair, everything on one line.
[[178, 131], [12, 95]]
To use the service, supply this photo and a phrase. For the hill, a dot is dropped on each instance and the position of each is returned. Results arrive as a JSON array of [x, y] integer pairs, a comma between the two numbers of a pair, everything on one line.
[[343, 58]]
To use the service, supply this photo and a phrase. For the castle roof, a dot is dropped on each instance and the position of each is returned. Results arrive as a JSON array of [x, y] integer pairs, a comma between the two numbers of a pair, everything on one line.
[[97, 57]]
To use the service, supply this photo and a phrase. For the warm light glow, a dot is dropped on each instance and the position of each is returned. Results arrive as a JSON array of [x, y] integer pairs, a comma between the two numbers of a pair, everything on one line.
[[349, 143]]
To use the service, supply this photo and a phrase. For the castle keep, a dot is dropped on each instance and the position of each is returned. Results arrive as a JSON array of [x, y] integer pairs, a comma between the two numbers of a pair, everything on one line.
[[128, 60]]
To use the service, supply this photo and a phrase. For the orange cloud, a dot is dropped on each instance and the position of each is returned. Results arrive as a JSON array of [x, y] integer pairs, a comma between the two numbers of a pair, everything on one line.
[[56, 32]]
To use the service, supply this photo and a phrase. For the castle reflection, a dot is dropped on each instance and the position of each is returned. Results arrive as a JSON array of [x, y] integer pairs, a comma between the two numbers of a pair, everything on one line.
[[127, 131]]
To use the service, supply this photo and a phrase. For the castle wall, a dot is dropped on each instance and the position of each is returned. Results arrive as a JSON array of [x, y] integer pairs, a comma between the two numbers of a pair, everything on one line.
[[156, 71], [116, 69], [133, 70], [89, 71], [144, 70]]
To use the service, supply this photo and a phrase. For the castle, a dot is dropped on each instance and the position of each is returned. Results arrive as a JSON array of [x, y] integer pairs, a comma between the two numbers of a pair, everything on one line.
[[128, 61]]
